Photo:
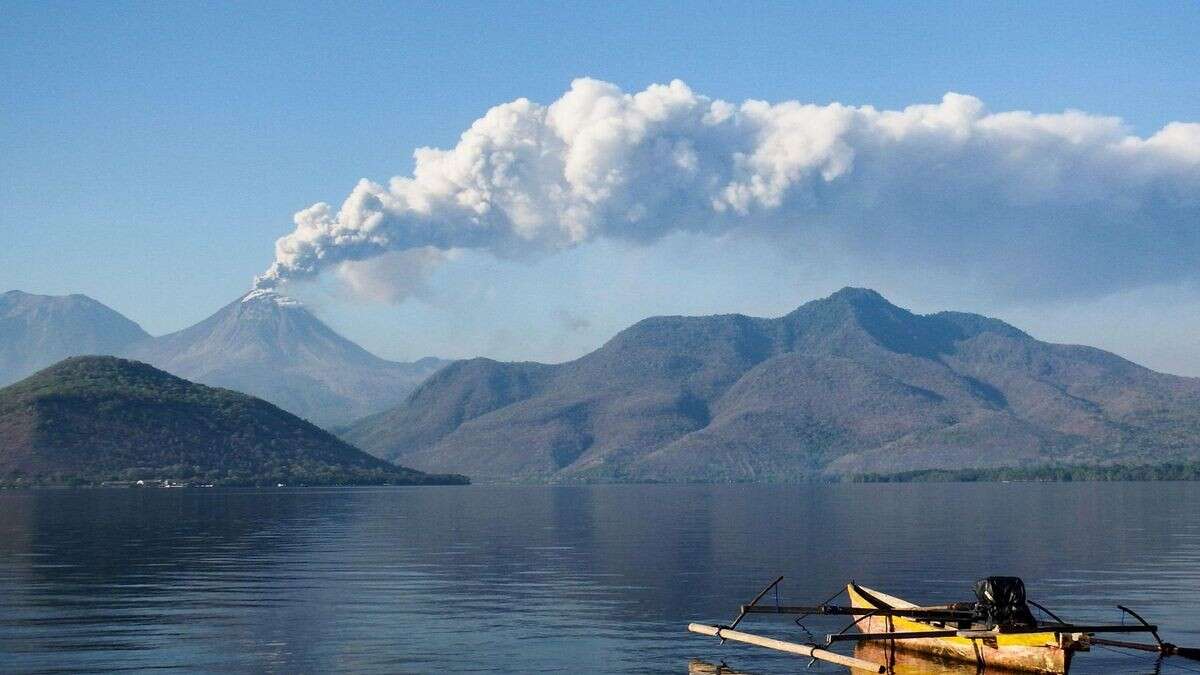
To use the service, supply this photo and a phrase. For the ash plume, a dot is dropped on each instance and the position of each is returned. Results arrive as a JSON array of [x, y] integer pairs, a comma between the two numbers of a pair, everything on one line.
[[1021, 199]]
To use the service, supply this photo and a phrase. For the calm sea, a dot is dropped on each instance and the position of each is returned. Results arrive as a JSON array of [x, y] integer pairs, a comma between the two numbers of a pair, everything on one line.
[[554, 579]]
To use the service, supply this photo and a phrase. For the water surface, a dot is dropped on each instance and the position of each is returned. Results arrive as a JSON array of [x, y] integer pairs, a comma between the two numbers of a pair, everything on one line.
[[554, 579]]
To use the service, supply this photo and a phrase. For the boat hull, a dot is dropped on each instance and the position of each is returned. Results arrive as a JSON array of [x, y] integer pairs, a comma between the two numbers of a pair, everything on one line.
[[1046, 652], [902, 662]]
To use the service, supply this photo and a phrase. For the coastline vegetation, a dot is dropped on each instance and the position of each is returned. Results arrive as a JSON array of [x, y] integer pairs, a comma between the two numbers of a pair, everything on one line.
[[1067, 473], [304, 474]]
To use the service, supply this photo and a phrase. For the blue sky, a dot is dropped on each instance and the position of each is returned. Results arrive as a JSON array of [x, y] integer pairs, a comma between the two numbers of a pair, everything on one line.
[[151, 153]]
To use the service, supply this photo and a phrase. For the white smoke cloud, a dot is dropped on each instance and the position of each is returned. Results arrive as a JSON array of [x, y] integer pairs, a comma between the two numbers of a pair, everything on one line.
[[1027, 201], [391, 276]]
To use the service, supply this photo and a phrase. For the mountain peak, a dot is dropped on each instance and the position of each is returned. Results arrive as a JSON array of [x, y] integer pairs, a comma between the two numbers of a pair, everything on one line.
[[266, 295], [18, 295], [271, 346], [859, 296]]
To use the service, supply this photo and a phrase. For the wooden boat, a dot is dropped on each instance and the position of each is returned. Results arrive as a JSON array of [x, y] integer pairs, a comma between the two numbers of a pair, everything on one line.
[[997, 633], [1045, 651], [903, 662]]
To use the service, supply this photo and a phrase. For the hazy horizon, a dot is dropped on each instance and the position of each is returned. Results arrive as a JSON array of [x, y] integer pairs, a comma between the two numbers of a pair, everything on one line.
[[317, 310]]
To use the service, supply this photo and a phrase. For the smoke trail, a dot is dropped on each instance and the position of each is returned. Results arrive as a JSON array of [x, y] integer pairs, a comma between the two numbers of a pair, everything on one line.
[[948, 185]]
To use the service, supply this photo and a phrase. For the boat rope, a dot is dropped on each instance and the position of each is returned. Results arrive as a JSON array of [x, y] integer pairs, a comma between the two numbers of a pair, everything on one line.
[[799, 620], [807, 632], [1176, 664], [859, 619], [822, 604]]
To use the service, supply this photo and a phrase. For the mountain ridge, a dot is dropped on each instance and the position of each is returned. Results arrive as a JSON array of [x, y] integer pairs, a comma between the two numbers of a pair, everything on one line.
[[39, 330], [846, 384], [262, 343]]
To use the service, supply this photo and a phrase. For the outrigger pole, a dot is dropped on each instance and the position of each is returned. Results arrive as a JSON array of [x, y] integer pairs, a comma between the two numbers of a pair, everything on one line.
[[811, 651]]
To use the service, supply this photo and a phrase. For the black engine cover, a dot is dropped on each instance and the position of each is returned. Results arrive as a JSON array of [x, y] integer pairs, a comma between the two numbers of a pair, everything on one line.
[[1000, 601]]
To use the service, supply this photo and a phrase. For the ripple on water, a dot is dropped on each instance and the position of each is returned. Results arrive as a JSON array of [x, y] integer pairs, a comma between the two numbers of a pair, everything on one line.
[[545, 579]]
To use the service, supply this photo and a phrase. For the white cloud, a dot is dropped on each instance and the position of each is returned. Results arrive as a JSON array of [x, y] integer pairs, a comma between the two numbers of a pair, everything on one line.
[[1061, 204], [392, 276]]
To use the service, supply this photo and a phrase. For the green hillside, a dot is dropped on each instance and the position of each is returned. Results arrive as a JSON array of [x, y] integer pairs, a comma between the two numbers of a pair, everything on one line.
[[90, 420]]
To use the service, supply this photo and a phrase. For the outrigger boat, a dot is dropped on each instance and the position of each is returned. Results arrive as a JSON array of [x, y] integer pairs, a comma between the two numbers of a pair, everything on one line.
[[997, 631]]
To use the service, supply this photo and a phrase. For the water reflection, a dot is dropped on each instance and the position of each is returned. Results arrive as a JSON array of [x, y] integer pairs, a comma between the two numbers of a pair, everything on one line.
[[540, 579], [700, 667]]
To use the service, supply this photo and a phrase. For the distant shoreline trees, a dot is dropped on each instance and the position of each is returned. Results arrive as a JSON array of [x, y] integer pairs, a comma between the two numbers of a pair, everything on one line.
[[1179, 471]]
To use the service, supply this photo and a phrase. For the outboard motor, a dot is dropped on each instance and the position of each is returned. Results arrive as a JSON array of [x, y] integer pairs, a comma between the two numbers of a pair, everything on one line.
[[1001, 602]]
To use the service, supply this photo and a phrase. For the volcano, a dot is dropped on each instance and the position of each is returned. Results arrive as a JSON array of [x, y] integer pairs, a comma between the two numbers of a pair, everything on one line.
[[269, 345]]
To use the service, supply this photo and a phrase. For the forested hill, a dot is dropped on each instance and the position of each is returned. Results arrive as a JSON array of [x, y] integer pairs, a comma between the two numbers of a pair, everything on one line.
[[93, 419]]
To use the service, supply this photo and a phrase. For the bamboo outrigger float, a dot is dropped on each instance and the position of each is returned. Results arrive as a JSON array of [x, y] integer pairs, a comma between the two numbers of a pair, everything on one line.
[[997, 631]]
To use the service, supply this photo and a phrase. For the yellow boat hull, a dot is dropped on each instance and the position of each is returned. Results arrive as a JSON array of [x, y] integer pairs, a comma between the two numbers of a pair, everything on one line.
[[1047, 652]]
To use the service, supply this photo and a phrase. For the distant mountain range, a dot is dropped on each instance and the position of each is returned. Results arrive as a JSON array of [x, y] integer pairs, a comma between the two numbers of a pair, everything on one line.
[[94, 419], [850, 384], [845, 385], [263, 344]]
